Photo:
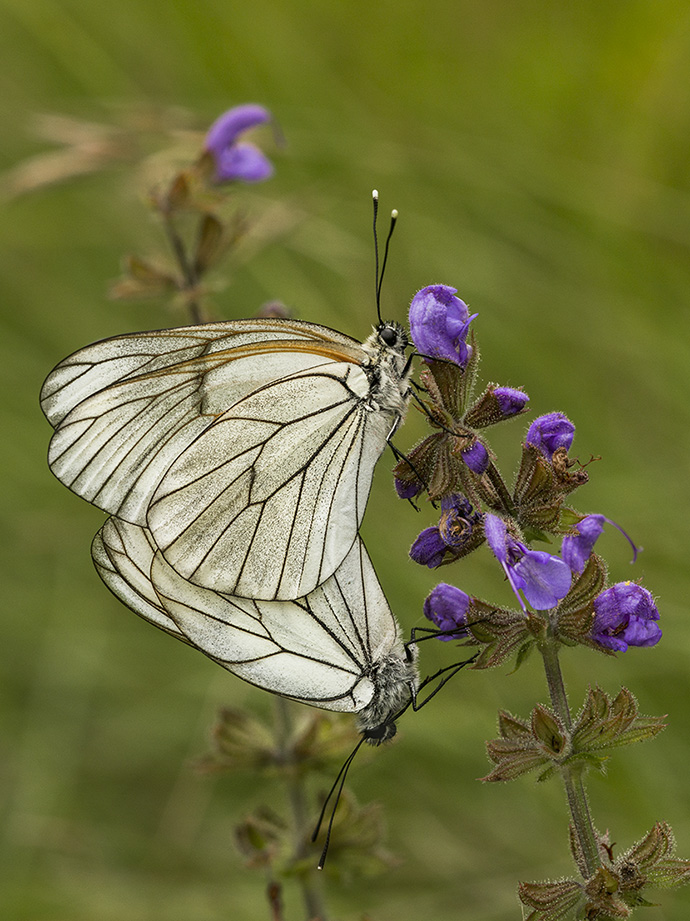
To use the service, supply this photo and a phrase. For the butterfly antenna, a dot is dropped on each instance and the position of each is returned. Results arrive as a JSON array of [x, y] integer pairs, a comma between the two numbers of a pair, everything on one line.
[[375, 196], [338, 784], [379, 276]]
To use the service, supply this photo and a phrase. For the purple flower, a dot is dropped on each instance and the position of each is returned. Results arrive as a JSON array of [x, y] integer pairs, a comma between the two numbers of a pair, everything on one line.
[[510, 401], [429, 548], [476, 457], [446, 607], [439, 323], [625, 615], [238, 160], [576, 548], [407, 489], [551, 431], [543, 578], [454, 530]]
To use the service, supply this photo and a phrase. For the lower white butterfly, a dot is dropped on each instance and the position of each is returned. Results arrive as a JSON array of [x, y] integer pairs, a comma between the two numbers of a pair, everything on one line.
[[246, 448], [339, 648]]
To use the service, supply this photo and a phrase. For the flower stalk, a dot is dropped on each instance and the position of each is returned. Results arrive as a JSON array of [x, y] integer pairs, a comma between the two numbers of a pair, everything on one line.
[[312, 896], [571, 773]]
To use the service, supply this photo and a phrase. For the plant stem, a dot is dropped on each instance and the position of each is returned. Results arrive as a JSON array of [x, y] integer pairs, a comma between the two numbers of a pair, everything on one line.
[[186, 268], [572, 775], [554, 679], [311, 893]]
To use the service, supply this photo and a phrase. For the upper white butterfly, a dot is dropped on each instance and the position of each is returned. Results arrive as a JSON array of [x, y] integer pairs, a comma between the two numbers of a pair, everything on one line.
[[247, 448]]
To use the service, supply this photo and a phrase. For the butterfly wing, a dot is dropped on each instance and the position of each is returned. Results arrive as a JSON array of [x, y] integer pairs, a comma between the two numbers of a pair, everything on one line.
[[125, 408], [267, 501], [249, 456], [320, 650], [122, 554]]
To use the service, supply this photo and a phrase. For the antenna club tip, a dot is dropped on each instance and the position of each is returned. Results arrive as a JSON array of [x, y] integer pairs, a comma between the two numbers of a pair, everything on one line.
[[375, 194], [394, 214]]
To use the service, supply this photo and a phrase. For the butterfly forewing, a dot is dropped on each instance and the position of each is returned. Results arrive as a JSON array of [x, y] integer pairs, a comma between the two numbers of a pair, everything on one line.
[[247, 447], [291, 453]]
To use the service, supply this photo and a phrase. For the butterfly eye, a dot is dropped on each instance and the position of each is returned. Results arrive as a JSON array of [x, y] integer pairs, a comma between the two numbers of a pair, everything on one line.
[[376, 735], [388, 335]]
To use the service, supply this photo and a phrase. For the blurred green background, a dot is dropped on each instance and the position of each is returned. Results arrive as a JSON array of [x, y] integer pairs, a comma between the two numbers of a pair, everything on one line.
[[538, 155]]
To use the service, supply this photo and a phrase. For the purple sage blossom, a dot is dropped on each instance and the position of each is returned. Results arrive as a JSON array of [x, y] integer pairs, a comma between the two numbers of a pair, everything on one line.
[[625, 615], [510, 400], [544, 579], [429, 548], [446, 607], [551, 431], [407, 489], [439, 323], [476, 457], [576, 548], [457, 522], [238, 160]]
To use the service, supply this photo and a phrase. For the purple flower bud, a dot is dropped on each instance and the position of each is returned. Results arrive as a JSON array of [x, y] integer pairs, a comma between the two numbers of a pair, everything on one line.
[[238, 160], [543, 578], [407, 489], [476, 457], [625, 615], [510, 401], [439, 323], [429, 548], [446, 607], [551, 431]]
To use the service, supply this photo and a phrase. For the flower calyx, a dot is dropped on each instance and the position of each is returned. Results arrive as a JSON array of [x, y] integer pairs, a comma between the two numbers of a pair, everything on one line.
[[541, 487], [603, 723], [524, 746], [616, 887]]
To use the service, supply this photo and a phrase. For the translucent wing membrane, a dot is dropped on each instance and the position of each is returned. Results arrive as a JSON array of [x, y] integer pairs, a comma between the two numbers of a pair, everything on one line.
[[122, 554], [326, 649], [267, 501], [247, 448]]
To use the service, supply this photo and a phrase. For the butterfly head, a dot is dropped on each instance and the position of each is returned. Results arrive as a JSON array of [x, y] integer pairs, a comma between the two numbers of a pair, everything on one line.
[[391, 335], [395, 679]]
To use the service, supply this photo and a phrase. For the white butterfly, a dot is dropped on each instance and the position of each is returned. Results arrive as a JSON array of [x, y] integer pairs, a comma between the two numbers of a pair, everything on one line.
[[246, 448], [339, 648]]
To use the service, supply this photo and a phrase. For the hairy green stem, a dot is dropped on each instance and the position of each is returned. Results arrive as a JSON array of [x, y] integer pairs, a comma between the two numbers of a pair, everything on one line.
[[572, 775], [311, 892]]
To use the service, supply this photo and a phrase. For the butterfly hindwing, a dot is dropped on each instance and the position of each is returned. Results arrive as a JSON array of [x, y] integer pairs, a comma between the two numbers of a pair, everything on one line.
[[322, 649]]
